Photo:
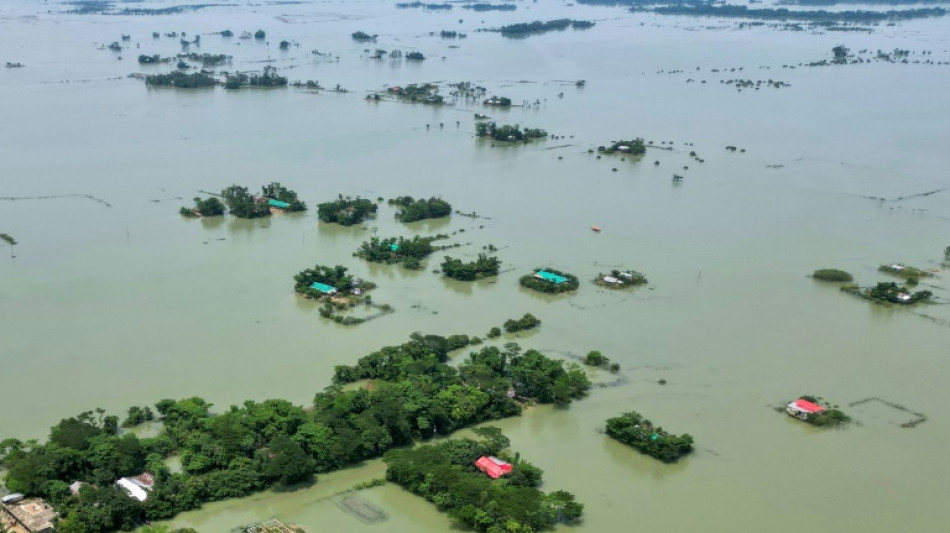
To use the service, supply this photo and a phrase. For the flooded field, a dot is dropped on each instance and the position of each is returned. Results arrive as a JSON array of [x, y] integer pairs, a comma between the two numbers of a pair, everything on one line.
[[110, 298]]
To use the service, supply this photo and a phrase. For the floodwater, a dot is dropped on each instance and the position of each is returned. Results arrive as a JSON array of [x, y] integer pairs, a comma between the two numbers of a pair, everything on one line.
[[127, 303]]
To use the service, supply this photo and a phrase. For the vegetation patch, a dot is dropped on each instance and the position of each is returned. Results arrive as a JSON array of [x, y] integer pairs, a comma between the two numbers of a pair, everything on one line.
[[181, 80], [423, 93], [346, 211], [537, 27], [632, 147], [508, 133], [332, 283], [831, 274], [550, 281], [7, 238], [596, 359], [412, 210], [408, 252], [242, 204], [269, 78], [636, 431], [782, 14], [482, 267], [889, 292], [445, 474], [909, 273], [363, 37], [528, 321], [138, 415], [620, 279]]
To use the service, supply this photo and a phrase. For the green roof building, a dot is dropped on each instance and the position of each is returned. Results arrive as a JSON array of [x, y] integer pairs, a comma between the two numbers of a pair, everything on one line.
[[549, 276], [323, 287]]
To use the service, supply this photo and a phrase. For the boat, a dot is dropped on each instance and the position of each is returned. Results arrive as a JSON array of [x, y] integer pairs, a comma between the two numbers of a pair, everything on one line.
[[595, 228]]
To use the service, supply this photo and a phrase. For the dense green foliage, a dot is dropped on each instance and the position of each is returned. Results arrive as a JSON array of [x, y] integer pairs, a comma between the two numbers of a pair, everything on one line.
[[525, 29], [205, 208], [597, 359], [445, 474], [507, 132], [490, 7], [946, 253], [411, 209], [276, 191], [181, 80], [250, 447], [831, 274], [736, 11], [638, 432], [260, 34], [528, 321], [409, 252], [138, 415], [632, 147], [888, 291], [911, 274], [362, 36], [242, 204], [336, 277], [269, 78], [830, 417], [7, 238], [417, 4], [346, 211], [415, 56], [624, 279], [531, 281], [483, 266], [206, 60], [426, 93]]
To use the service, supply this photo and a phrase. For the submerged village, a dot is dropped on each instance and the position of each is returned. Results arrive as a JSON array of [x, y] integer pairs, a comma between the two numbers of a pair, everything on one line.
[[402, 344]]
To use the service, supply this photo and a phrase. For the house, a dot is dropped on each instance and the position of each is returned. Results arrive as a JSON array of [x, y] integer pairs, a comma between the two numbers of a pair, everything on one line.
[[549, 276], [277, 204], [74, 488], [323, 287], [34, 514], [802, 408], [138, 486], [612, 280], [493, 466], [903, 297]]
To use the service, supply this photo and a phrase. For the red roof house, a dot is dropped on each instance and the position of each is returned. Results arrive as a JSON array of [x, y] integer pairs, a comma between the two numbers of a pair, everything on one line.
[[493, 466], [801, 408]]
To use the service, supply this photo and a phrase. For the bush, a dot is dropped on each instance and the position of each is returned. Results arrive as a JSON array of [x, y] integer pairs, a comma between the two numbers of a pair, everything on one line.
[[412, 210], [528, 321], [595, 358], [482, 267], [346, 211], [831, 274]]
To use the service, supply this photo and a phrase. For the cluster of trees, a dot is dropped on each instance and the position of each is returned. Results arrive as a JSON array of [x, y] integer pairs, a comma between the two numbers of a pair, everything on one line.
[[260, 34], [242, 204], [830, 417], [415, 56], [409, 252], [434, 7], [335, 276], [205, 208], [888, 291], [276, 191], [363, 37], [499, 101], [528, 321], [445, 474], [832, 274], [451, 34], [138, 415], [597, 359], [490, 7], [946, 253], [636, 431], [206, 60], [346, 211], [632, 147], [258, 445], [481, 383], [269, 78], [153, 59], [531, 281], [481, 267], [181, 80], [426, 93], [737, 11], [530, 28], [411, 209], [507, 132]]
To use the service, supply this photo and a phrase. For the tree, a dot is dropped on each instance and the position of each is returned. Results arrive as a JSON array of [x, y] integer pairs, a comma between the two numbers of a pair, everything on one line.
[[841, 54], [287, 462]]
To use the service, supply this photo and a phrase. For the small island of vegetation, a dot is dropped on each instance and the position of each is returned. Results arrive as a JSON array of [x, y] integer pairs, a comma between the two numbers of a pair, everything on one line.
[[204, 208], [888, 292], [909, 273], [528, 321], [639, 433], [525, 29], [446, 475], [816, 411], [508, 133], [633, 147], [181, 80], [346, 211], [832, 274], [335, 282], [620, 279], [408, 252], [482, 267], [412, 210], [363, 37], [782, 14], [550, 281], [596, 359], [273, 198]]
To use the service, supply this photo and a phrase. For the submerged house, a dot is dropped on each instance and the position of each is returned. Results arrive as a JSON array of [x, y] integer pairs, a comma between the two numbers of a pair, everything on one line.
[[34, 514], [138, 486], [802, 408], [493, 466], [277, 204], [323, 287], [549, 276]]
